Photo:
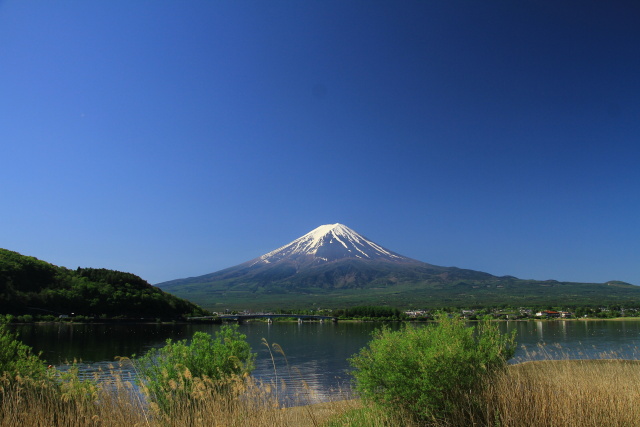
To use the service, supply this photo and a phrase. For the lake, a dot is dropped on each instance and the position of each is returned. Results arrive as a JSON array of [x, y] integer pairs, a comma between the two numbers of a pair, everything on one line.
[[316, 363]]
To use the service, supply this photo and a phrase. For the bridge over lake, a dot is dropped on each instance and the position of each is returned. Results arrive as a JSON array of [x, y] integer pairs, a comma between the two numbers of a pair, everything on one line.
[[269, 317]]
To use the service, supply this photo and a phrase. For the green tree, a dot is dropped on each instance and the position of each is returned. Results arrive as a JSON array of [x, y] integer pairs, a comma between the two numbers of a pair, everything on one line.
[[425, 372]]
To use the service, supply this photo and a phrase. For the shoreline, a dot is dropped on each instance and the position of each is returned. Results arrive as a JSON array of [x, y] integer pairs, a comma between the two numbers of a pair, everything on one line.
[[213, 321]]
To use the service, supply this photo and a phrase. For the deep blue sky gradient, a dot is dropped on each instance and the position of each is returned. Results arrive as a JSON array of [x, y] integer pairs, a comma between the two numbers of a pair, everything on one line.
[[176, 138]]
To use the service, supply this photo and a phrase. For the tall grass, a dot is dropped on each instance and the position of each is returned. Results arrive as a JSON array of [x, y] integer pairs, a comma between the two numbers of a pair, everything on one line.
[[567, 393], [191, 401], [71, 402], [542, 393]]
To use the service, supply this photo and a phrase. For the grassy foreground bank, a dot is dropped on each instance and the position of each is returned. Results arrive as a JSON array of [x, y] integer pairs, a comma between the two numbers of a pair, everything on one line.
[[543, 393]]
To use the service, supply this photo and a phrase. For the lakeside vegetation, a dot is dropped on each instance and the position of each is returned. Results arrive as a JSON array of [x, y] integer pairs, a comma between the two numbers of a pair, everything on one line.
[[440, 375], [384, 313], [423, 374], [363, 313], [43, 291]]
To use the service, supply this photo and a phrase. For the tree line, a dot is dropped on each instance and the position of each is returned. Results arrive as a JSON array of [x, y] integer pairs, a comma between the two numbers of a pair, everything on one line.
[[31, 286]]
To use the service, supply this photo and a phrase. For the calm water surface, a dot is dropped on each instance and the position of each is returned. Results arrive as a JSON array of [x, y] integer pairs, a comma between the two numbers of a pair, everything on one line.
[[316, 354]]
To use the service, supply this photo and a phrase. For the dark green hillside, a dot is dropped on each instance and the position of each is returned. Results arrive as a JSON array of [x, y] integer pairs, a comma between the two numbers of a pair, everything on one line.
[[425, 294], [31, 286], [354, 283]]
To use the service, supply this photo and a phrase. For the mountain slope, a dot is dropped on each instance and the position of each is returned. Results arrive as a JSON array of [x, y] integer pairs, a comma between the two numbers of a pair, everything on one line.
[[330, 256], [334, 266]]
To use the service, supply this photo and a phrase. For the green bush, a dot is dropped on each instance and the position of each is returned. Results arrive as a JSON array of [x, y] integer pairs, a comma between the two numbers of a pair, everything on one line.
[[430, 372], [25, 318], [176, 368], [17, 358]]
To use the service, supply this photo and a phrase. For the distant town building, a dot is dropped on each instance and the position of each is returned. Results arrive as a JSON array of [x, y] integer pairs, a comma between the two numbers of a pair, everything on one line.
[[548, 313], [553, 314]]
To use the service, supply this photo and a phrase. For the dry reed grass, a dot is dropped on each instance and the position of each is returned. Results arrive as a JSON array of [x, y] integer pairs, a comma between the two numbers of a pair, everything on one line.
[[25, 403], [580, 393], [545, 393], [121, 403]]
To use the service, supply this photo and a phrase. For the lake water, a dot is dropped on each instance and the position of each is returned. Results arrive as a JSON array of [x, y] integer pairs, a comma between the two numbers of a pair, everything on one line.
[[316, 353]]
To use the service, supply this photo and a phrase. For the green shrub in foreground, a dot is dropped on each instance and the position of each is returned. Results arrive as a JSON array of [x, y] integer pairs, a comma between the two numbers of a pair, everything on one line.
[[174, 369], [17, 358], [430, 372]]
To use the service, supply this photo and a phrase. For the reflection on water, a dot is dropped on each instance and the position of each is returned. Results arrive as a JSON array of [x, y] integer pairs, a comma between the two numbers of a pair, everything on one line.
[[576, 339], [314, 365]]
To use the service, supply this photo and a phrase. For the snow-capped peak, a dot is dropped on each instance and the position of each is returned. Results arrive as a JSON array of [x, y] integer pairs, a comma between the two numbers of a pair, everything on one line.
[[328, 243]]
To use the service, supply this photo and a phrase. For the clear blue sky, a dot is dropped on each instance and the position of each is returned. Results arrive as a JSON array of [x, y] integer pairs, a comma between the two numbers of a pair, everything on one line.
[[177, 138]]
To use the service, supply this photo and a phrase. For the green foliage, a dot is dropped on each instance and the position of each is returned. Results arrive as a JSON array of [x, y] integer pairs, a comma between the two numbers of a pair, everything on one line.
[[23, 371], [28, 285], [425, 371], [371, 312], [111, 277], [27, 318], [175, 368], [17, 358]]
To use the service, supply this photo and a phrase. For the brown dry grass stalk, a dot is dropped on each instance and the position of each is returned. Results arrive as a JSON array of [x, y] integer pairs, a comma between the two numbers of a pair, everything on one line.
[[25, 403], [245, 403], [547, 393], [567, 393]]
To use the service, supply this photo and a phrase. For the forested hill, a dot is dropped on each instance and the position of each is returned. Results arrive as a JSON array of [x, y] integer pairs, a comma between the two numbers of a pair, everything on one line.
[[31, 286]]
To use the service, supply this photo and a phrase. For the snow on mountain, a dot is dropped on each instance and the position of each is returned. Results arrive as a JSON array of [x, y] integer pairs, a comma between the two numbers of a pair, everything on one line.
[[328, 243], [332, 256]]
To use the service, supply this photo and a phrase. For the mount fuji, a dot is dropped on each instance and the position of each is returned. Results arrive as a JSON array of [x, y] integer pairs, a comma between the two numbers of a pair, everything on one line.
[[330, 256], [329, 243], [333, 265]]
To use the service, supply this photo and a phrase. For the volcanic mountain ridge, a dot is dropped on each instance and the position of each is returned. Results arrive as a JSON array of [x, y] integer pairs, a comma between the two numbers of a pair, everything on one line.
[[334, 266]]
